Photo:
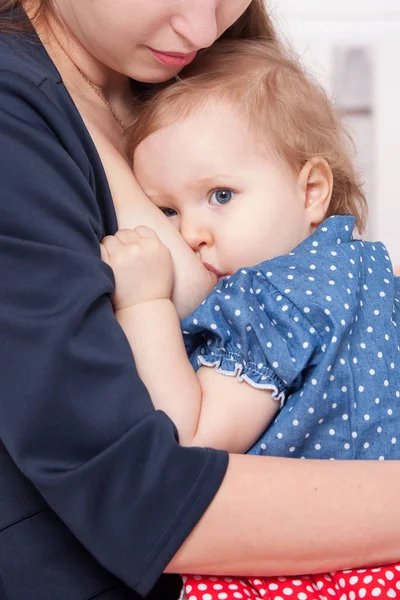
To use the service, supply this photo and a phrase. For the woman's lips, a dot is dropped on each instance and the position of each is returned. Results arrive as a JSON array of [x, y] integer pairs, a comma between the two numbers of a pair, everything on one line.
[[173, 59], [213, 270]]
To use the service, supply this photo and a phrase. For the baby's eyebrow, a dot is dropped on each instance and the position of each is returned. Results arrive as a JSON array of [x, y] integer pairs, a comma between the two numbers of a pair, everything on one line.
[[215, 177]]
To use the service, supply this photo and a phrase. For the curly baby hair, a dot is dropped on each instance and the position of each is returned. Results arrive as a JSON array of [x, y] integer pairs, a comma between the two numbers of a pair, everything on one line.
[[286, 110]]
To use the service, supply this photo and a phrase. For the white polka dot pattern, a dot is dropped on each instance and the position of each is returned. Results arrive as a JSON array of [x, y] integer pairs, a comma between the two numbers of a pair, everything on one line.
[[320, 329], [380, 582]]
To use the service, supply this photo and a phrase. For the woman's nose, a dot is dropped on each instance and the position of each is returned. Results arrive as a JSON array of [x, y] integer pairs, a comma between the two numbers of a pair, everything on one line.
[[197, 23]]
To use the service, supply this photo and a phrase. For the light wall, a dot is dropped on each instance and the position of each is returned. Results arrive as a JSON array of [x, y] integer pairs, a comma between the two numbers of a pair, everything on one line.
[[323, 32]]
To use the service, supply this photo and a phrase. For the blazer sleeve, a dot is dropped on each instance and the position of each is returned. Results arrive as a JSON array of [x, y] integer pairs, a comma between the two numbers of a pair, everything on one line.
[[74, 415]]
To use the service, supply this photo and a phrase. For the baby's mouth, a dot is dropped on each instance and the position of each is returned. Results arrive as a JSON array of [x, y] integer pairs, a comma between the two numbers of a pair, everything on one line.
[[212, 269]]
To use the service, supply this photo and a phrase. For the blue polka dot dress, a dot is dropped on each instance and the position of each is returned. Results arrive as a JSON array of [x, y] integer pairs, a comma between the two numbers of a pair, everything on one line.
[[319, 328]]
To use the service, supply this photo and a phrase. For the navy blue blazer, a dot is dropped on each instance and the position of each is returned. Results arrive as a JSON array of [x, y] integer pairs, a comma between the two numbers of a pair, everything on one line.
[[96, 495]]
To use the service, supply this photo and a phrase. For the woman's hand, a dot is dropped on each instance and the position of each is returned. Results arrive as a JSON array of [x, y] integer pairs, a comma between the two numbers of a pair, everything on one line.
[[142, 266]]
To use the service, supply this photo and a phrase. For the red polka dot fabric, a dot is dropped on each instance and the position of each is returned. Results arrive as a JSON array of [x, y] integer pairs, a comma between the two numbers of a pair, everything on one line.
[[381, 582]]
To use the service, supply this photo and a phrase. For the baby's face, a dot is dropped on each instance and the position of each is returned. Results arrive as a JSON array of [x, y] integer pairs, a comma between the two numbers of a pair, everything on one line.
[[233, 206]]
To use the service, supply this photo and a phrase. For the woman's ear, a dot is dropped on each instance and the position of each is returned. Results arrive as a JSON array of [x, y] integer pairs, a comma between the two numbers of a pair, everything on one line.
[[315, 184]]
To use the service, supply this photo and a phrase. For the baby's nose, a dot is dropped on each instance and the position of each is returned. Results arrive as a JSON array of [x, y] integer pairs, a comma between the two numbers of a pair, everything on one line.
[[196, 234]]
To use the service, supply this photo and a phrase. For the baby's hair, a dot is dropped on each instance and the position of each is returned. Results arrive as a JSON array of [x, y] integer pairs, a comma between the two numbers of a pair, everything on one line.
[[286, 110]]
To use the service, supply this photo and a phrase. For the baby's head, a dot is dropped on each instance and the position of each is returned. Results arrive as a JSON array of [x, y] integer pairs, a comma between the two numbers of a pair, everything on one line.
[[246, 156]]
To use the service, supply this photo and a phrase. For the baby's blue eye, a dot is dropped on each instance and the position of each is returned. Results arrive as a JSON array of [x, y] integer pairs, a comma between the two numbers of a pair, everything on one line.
[[221, 196], [169, 212]]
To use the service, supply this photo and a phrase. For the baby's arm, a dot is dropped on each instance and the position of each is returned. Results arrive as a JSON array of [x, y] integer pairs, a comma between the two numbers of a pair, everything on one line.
[[208, 409]]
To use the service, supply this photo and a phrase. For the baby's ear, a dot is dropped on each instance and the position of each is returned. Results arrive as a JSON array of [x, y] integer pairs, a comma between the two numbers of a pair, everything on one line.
[[315, 184]]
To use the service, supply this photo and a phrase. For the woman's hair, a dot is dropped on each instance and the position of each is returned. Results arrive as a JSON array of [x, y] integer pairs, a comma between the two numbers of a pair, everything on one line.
[[13, 18], [288, 113], [252, 24]]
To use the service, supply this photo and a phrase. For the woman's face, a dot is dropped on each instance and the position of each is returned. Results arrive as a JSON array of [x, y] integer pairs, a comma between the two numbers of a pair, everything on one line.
[[148, 40]]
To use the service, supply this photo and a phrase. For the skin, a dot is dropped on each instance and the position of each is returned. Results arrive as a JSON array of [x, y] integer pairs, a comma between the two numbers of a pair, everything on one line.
[[83, 37], [344, 514], [227, 199], [228, 206], [128, 28], [111, 41], [305, 516]]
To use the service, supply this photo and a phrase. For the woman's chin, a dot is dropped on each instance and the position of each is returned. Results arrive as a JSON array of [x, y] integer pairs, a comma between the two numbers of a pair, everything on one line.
[[156, 74]]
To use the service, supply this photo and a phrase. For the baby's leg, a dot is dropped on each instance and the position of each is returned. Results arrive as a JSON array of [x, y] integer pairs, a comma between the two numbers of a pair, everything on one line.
[[381, 582]]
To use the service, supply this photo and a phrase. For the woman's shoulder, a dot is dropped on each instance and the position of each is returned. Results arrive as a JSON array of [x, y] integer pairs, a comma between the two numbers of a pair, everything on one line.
[[41, 126], [32, 88], [25, 56]]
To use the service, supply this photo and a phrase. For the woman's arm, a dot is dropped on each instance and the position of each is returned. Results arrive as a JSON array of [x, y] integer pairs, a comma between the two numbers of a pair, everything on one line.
[[74, 416], [275, 516], [287, 516], [282, 516]]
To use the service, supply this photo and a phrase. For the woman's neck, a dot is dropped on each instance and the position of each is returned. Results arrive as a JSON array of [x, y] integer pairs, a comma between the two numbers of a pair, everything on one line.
[[71, 58]]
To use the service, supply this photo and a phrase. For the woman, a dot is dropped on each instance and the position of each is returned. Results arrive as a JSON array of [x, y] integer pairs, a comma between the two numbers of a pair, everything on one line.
[[97, 498]]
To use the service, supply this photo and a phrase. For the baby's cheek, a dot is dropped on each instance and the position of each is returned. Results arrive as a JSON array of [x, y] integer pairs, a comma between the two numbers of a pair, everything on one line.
[[247, 254]]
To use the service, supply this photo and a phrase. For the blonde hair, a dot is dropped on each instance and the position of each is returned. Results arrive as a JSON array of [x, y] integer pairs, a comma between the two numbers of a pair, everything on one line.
[[270, 90]]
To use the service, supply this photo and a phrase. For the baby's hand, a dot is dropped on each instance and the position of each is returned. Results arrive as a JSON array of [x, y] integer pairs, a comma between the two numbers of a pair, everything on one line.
[[142, 266]]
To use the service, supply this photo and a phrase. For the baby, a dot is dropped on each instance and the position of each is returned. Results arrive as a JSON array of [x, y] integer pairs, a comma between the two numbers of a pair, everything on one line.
[[294, 351]]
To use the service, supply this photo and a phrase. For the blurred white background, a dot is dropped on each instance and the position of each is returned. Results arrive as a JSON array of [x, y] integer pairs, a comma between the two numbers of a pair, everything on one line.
[[353, 47]]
